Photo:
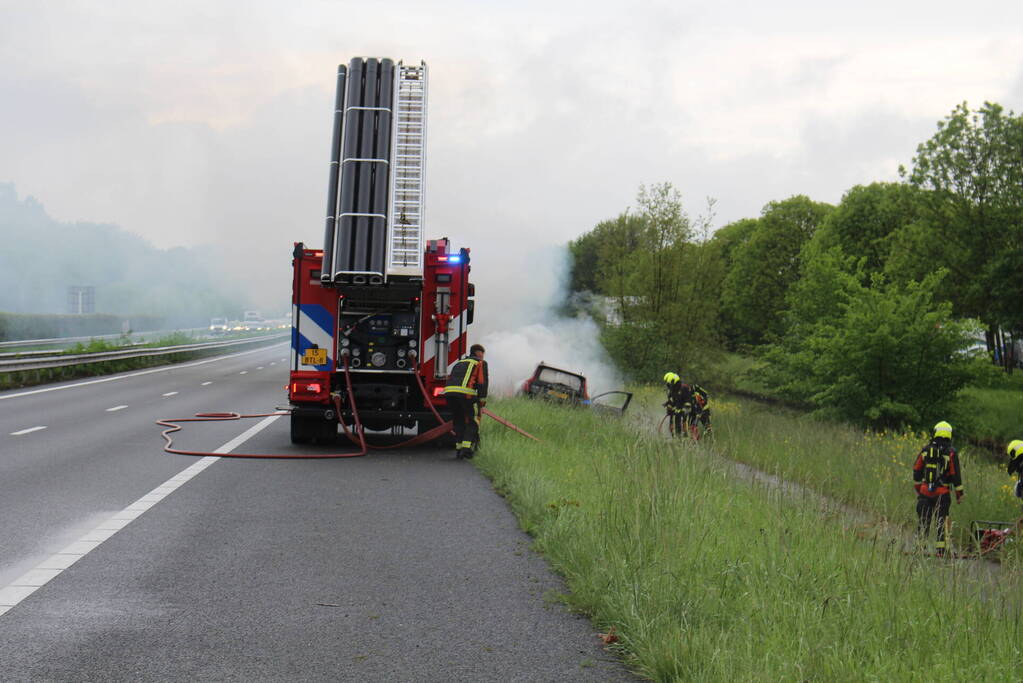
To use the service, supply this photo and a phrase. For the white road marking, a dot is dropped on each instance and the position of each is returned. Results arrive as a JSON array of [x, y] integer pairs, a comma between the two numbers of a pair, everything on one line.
[[260, 367], [244, 372], [273, 362], [206, 384], [115, 409], [50, 568], [114, 378], [28, 431], [171, 393]]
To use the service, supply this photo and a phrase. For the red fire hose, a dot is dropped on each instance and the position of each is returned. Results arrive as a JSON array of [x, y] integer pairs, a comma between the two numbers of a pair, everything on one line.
[[357, 435]]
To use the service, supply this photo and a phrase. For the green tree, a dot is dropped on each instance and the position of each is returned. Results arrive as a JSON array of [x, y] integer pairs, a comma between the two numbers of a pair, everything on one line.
[[885, 355], [602, 251], [726, 242], [666, 230], [666, 292], [617, 258], [972, 170], [766, 265], [864, 222]]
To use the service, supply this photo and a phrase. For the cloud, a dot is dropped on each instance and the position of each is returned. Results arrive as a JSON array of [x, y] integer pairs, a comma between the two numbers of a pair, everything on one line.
[[205, 124]]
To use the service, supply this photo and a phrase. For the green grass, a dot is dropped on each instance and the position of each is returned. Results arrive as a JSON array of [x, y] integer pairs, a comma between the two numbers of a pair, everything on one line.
[[866, 470], [708, 577], [987, 412]]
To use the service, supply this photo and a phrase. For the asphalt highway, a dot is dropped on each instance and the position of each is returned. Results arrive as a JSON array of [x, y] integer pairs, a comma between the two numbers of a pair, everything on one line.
[[119, 562]]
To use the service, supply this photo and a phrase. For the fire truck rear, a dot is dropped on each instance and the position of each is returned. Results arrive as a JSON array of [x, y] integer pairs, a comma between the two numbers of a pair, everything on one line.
[[379, 314]]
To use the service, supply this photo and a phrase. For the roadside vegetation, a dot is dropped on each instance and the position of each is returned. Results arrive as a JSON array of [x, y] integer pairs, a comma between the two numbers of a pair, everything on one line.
[[832, 338], [702, 575], [863, 469], [873, 311], [26, 378]]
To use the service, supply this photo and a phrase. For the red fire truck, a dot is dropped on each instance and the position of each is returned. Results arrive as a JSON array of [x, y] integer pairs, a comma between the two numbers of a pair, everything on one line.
[[379, 314]]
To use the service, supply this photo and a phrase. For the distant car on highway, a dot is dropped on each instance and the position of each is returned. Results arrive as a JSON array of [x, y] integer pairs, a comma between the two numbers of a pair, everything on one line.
[[218, 325], [253, 320]]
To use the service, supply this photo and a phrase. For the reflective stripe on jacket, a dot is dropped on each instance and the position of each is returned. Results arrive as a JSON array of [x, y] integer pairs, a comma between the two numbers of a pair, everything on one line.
[[467, 377]]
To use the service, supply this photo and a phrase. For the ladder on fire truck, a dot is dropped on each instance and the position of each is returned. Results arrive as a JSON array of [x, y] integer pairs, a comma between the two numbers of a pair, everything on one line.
[[408, 163]]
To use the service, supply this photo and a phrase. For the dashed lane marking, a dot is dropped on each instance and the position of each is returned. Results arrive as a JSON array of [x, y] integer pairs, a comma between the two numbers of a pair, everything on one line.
[[206, 384], [260, 367], [22, 432], [244, 372], [115, 409], [4, 397], [171, 393], [50, 568]]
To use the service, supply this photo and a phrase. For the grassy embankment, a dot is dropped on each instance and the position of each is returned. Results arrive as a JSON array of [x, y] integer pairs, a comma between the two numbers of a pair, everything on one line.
[[865, 470], [707, 577], [987, 412], [13, 380]]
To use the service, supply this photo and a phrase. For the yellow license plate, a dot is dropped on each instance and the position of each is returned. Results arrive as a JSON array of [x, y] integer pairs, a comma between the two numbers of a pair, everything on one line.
[[314, 357]]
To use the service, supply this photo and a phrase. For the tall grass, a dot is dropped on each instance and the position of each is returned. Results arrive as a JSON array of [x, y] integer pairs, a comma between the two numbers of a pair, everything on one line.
[[868, 470], [707, 577]]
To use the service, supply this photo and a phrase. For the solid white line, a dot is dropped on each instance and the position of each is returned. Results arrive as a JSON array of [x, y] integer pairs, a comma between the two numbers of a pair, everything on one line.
[[171, 393], [205, 384], [135, 374], [27, 431], [50, 568], [115, 409]]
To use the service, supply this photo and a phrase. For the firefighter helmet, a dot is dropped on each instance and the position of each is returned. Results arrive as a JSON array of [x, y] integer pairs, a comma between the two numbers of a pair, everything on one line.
[[671, 378], [1014, 447], [943, 429]]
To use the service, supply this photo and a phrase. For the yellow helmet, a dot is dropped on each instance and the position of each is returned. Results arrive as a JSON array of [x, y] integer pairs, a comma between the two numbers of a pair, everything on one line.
[[1014, 447], [671, 378], [943, 429]]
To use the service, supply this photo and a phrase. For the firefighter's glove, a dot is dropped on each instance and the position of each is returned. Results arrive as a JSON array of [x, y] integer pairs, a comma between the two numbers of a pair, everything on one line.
[[959, 496]]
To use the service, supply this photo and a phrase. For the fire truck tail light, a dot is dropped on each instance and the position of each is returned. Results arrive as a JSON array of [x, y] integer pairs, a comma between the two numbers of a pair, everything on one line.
[[306, 388], [438, 391]]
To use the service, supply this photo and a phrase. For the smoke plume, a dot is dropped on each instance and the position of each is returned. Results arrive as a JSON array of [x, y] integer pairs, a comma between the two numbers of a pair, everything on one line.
[[519, 293]]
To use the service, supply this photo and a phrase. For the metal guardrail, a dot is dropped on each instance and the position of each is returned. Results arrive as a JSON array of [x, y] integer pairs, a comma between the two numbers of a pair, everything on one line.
[[68, 341], [64, 360]]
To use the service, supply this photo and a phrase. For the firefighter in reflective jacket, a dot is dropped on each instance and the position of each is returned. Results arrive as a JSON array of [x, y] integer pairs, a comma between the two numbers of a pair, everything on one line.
[[1015, 452], [936, 473], [466, 394], [700, 411], [675, 405]]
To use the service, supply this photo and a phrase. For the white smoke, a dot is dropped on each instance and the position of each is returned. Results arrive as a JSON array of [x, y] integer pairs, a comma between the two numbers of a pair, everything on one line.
[[518, 291]]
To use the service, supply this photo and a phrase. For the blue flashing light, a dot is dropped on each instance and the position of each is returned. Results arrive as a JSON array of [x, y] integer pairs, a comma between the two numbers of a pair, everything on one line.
[[454, 259]]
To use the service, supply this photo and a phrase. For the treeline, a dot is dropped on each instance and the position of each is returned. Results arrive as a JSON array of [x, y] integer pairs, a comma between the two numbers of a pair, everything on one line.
[[42, 257], [864, 310]]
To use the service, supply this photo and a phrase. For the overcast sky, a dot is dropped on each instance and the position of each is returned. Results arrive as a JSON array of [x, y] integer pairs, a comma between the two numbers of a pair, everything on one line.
[[193, 122]]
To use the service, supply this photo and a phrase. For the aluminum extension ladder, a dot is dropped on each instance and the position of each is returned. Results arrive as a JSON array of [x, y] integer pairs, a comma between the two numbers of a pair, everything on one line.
[[408, 164]]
